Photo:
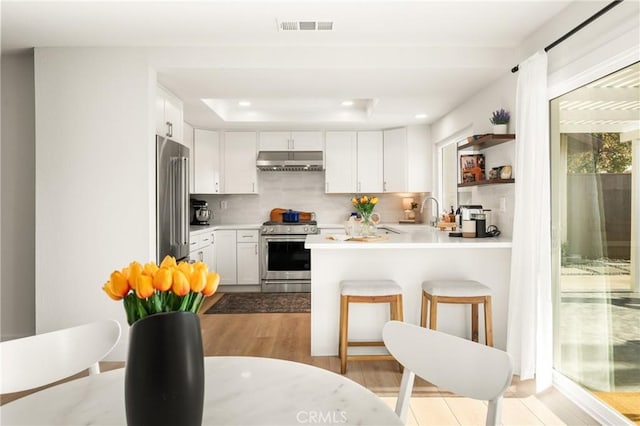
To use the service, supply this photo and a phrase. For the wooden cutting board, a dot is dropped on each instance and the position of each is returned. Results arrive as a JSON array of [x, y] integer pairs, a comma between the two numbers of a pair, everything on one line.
[[276, 215], [369, 239]]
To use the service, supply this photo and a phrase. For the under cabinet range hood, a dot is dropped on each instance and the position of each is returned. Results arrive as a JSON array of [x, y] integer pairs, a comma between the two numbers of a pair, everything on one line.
[[290, 161]]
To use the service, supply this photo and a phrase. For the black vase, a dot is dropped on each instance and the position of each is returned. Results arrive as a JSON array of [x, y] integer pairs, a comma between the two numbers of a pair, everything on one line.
[[164, 373]]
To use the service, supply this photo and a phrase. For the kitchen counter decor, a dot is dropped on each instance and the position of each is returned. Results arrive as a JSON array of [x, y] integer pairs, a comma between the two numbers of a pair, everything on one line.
[[364, 206], [164, 372]]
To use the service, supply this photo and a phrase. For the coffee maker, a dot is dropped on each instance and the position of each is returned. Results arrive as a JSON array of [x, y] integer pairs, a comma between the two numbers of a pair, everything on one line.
[[473, 221], [200, 213]]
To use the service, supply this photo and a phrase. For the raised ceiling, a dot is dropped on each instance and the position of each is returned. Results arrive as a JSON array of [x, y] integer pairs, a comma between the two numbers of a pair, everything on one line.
[[400, 58]]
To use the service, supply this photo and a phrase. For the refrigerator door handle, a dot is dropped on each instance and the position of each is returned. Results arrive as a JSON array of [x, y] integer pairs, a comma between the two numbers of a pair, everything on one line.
[[179, 201], [184, 200]]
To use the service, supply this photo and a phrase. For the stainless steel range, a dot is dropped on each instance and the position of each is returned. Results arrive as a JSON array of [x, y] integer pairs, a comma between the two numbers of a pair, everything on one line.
[[285, 263]]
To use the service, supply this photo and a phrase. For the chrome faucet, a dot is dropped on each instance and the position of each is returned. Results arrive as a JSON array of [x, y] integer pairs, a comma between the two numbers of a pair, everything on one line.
[[434, 218]]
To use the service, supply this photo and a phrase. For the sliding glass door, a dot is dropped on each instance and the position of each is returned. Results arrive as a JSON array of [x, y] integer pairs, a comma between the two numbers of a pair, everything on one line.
[[595, 154]]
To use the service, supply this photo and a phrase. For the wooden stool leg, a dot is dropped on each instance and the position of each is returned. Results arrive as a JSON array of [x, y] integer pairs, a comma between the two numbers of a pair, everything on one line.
[[423, 310], [488, 321], [344, 325], [474, 322], [399, 316], [433, 313]]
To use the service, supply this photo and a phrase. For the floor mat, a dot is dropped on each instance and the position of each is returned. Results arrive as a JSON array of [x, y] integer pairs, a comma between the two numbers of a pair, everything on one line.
[[251, 303]]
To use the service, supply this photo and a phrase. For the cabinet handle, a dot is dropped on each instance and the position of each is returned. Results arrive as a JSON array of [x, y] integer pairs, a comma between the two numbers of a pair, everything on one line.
[[169, 129], [256, 247], [216, 186], [253, 187], [384, 186], [327, 184], [359, 186]]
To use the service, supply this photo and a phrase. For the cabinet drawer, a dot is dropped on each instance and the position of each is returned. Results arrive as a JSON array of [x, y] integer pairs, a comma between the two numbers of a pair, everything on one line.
[[194, 242], [247, 235], [206, 239]]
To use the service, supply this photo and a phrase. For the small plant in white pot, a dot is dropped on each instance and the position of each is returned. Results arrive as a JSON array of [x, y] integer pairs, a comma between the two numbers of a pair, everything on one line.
[[500, 120]]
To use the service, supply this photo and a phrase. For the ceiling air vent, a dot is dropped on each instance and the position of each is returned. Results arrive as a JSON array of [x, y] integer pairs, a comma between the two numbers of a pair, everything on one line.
[[305, 25]]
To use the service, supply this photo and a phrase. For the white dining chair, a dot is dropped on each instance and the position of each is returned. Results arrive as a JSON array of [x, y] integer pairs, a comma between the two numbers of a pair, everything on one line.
[[449, 362], [38, 360]]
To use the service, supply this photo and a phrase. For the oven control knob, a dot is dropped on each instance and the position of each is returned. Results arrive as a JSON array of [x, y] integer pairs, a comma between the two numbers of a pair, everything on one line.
[[271, 230], [306, 229]]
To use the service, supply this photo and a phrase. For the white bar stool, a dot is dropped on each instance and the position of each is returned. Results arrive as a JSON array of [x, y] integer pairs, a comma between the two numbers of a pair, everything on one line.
[[366, 291], [458, 292]]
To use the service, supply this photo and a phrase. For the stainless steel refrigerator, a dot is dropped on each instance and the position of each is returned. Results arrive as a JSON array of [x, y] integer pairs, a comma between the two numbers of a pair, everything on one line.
[[172, 199]]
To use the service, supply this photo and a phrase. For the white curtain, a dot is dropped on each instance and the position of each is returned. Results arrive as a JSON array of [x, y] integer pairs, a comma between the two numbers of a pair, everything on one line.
[[529, 334]]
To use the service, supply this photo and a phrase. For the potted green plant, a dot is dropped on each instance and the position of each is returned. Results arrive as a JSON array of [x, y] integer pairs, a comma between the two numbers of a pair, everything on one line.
[[500, 119]]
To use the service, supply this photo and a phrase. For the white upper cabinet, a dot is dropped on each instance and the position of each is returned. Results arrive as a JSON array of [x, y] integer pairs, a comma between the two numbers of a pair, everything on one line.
[[169, 115], [291, 141], [370, 161], [341, 162], [419, 159], [240, 172], [206, 162], [395, 160]]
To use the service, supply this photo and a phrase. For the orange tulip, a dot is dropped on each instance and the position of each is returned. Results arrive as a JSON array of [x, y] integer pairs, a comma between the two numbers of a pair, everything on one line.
[[198, 280], [213, 279], [186, 268], [201, 266], [168, 261], [108, 288], [150, 269], [144, 286], [180, 284], [119, 284], [135, 270], [354, 201], [163, 279]]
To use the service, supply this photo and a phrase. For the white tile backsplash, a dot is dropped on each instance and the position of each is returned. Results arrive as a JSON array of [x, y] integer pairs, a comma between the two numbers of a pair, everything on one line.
[[302, 191]]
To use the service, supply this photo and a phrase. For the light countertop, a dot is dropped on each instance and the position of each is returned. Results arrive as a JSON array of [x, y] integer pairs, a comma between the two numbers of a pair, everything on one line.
[[407, 237]]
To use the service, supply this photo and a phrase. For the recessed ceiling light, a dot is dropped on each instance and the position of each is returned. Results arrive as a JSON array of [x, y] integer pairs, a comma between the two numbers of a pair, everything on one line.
[[421, 116], [244, 103], [347, 103]]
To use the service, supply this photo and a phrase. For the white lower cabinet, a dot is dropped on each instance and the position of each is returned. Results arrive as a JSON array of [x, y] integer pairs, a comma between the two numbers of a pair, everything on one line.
[[201, 248], [236, 256], [248, 267], [225, 241]]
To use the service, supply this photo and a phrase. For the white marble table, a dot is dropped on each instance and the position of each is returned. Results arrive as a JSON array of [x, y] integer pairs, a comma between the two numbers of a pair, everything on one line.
[[238, 391]]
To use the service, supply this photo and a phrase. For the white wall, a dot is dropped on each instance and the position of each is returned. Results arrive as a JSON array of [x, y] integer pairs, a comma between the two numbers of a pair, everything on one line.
[[94, 174], [474, 114], [302, 191], [18, 196]]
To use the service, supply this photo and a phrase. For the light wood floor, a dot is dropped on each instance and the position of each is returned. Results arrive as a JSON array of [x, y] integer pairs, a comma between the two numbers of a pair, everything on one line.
[[287, 336]]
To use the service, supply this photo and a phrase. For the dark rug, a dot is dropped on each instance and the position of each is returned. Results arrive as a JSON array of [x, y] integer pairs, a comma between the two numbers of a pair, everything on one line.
[[253, 303]]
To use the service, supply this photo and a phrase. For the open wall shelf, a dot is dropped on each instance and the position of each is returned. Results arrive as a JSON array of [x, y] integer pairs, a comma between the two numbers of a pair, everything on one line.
[[485, 182], [480, 142], [487, 141]]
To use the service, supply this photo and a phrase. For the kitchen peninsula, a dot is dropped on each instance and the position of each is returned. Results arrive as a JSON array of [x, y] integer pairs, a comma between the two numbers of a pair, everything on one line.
[[409, 257]]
